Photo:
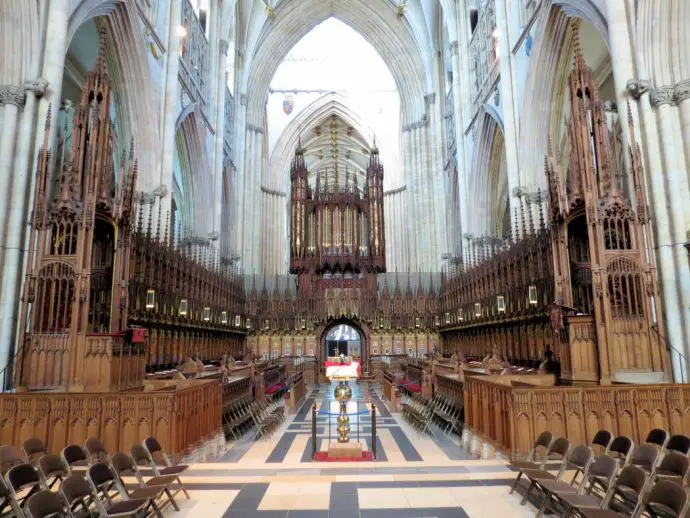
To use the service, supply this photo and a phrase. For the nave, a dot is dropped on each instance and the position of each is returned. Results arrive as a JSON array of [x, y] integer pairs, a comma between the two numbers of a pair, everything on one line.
[[414, 475]]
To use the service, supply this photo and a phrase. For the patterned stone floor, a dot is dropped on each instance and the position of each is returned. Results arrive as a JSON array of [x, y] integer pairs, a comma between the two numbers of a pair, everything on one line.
[[414, 475]]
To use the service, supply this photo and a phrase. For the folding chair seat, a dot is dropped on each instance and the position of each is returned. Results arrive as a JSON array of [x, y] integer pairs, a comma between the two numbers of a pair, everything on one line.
[[104, 482], [52, 469], [679, 443], [561, 495], [578, 459], [75, 458], [658, 437], [156, 450], [555, 450], [46, 504], [665, 500], [673, 467], [23, 478], [9, 457], [33, 449], [77, 493], [543, 441], [645, 456], [624, 496], [95, 451], [7, 500], [123, 465]]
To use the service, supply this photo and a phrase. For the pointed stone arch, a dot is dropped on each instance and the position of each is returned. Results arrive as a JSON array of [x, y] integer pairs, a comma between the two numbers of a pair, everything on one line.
[[196, 174], [304, 123], [488, 184], [398, 47]]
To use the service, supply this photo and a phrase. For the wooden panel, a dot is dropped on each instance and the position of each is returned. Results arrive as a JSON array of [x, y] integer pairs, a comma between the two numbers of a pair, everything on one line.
[[179, 419], [512, 417]]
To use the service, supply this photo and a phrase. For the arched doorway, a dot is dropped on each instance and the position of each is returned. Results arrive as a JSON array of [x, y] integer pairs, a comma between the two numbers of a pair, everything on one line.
[[330, 329], [343, 339]]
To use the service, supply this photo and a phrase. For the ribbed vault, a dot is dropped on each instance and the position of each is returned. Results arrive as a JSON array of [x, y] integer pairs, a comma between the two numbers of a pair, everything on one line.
[[312, 125], [378, 23]]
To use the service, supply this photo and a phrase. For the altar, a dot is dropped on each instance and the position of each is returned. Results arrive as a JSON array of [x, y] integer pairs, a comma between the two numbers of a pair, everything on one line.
[[342, 371]]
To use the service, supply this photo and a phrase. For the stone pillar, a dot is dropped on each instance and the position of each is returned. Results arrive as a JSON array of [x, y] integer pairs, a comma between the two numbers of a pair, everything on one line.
[[171, 97], [245, 215], [240, 131], [256, 206], [510, 131], [437, 177], [408, 167], [459, 138], [220, 139], [11, 105], [418, 224]]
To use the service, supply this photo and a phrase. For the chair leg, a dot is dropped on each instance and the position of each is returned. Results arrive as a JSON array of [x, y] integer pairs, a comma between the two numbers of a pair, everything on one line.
[[512, 489], [172, 500], [183, 489], [529, 490]]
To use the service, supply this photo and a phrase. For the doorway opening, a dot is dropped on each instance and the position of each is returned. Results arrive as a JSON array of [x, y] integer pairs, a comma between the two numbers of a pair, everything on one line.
[[345, 340]]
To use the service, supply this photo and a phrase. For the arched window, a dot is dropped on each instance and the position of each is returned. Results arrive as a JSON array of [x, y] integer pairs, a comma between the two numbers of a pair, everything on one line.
[[625, 289]]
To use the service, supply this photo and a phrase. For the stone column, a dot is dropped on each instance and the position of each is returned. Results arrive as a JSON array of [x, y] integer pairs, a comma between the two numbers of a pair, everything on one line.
[[256, 207], [220, 138], [677, 197], [437, 177], [418, 224], [510, 132], [171, 100], [11, 105], [240, 131], [246, 214], [459, 139], [408, 167]]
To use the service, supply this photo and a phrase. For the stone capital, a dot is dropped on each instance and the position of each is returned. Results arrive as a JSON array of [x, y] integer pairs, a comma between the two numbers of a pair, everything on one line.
[[611, 106], [662, 95], [682, 91], [244, 99], [161, 191], [430, 99], [213, 236], [453, 48], [38, 86], [637, 87], [224, 47], [11, 94], [254, 128]]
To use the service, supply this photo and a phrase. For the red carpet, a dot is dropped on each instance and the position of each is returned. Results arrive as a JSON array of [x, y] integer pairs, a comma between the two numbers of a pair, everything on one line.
[[322, 456]]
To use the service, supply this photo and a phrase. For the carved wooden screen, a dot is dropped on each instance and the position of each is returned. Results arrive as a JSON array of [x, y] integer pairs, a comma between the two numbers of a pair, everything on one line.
[[54, 298]]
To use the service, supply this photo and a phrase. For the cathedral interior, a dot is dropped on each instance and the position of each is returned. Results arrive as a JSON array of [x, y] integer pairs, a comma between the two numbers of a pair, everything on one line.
[[344, 258]]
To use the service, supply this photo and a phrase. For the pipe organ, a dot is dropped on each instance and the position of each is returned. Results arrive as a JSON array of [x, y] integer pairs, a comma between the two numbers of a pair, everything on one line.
[[336, 227]]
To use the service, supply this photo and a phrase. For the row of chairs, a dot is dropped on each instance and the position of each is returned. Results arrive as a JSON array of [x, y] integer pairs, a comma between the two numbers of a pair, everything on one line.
[[38, 484], [247, 414], [612, 478], [440, 410]]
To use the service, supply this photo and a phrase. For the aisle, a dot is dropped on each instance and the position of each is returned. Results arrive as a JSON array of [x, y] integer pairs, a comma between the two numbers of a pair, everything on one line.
[[415, 475]]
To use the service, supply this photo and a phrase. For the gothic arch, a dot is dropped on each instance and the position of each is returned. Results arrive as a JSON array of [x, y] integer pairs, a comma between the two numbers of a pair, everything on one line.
[[129, 70], [550, 64], [304, 123], [399, 49], [489, 179], [196, 174]]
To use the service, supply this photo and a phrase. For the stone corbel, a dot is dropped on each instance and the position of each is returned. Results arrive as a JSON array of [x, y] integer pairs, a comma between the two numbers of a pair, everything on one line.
[[611, 106], [11, 94], [244, 100], [256, 129], [662, 95], [161, 191], [37, 86], [637, 87], [454, 48], [430, 99], [681, 91], [213, 236]]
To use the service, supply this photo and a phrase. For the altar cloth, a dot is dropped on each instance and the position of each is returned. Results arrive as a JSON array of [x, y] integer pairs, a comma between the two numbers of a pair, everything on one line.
[[343, 371]]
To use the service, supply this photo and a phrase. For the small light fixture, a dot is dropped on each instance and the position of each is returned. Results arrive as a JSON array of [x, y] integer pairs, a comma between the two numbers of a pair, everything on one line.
[[532, 295], [238, 321], [207, 314], [150, 299], [417, 322], [304, 324], [501, 304], [267, 324], [183, 308], [182, 31], [460, 317], [447, 318], [477, 309], [224, 317], [248, 325], [437, 321]]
